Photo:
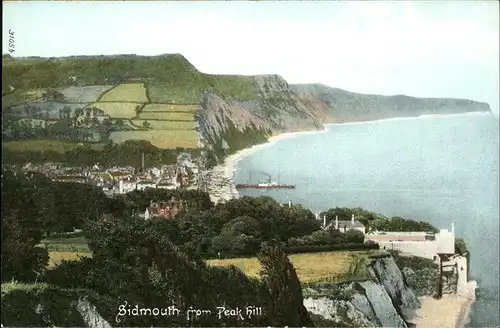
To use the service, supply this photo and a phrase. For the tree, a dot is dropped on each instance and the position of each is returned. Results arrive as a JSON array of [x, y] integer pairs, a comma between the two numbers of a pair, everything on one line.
[[53, 95], [95, 121], [21, 232], [285, 293], [354, 236], [146, 124], [138, 110]]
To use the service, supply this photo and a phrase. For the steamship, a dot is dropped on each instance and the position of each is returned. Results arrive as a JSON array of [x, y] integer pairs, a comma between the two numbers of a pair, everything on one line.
[[265, 184]]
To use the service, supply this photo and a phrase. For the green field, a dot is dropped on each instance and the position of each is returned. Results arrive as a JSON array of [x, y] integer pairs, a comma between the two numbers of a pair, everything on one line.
[[169, 108], [310, 267], [166, 125], [45, 145], [117, 109], [56, 257], [134, 92], [20, 97], [160, 139], [167, 116]]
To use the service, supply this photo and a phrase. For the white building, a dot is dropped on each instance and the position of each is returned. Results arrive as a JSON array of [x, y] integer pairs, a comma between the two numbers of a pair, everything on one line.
[[126, 186], [422, 244], [141, 185]]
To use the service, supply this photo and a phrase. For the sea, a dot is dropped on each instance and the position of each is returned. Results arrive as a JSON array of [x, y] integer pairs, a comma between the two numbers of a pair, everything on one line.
[[439, 169]]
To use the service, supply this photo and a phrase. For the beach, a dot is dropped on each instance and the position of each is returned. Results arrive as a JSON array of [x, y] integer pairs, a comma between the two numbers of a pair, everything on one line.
[[447, 312], [451, 311]]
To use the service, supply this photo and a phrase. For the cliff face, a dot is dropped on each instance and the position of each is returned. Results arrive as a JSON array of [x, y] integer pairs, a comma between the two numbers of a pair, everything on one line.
[[337, 105], [275, 109], [384, 301]]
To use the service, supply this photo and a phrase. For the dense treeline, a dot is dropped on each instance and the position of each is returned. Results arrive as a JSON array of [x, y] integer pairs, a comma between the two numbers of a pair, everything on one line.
[[128, 153], [138, 261]]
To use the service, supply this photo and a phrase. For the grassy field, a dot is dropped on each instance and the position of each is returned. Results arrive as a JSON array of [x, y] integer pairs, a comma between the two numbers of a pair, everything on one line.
[[117, 109], [45, 145], [84, 94], [167, 116], [169, 108], [160, 139], [126, 92], [309, 267], [20, 97], [56, 257], [166, 125]]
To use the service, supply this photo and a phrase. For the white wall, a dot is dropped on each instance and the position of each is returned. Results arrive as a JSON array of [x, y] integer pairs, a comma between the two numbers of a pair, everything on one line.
[[446, 242], [426, 249]]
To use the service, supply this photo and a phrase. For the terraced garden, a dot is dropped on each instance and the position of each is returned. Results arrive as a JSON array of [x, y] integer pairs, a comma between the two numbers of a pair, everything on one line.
[[168, 125]]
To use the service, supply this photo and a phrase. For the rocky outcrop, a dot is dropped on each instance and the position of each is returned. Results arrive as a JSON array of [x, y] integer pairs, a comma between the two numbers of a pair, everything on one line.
[[387, 274], [90, 315], [384, 301]]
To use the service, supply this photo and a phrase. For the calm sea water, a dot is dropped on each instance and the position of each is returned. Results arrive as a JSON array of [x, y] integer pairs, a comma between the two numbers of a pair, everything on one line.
[[436, 169]]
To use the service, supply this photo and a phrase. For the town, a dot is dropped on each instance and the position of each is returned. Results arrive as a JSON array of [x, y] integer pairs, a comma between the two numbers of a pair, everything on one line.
[[123, 179]]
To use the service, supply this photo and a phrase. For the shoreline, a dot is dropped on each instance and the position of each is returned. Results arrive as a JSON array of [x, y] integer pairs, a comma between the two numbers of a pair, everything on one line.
[[226, 171], [222, 186]]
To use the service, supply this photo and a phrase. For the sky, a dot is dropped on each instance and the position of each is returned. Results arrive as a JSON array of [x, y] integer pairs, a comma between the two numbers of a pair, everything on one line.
[[422, 49]]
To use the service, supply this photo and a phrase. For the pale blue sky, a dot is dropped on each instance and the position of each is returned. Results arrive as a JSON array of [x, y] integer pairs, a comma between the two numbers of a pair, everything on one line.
[[426, 49]]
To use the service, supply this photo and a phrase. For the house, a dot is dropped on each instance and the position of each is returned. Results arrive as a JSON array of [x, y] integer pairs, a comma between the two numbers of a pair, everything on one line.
[[33, 123], [156, 172], [164, 210], [102, 117], [166, 184], [168, 170], [125, 186], [141, 185], [182, 178], [344, 225], [420, 243], [118, 175], [71, 178]]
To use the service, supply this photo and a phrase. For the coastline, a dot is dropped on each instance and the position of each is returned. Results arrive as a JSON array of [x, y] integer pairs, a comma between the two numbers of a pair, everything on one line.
[[231, 161], [221, 185], [224, 189]]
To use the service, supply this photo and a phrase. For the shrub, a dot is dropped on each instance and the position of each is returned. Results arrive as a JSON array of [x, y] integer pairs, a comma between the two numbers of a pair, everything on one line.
[[354, 236], [70, 274], [327, 248]]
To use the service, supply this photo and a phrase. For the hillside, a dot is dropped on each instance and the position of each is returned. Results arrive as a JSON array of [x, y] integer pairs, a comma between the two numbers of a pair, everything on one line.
[[338, 105], [165, 100]]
